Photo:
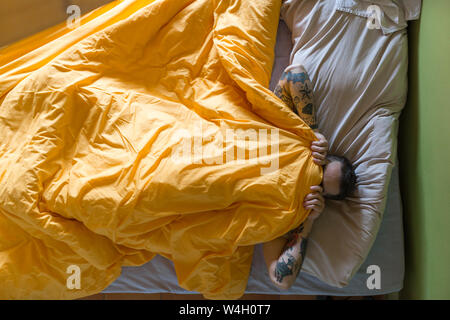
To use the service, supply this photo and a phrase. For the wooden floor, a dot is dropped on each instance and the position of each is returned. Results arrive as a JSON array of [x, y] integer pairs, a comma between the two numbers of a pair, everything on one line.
[[22, 18], [170, 296]]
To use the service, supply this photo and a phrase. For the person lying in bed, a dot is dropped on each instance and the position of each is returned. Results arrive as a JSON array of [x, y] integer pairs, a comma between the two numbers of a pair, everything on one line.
[[284, 256]]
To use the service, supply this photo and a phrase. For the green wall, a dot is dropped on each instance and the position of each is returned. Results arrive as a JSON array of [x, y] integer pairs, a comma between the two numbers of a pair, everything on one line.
[[424, 156]]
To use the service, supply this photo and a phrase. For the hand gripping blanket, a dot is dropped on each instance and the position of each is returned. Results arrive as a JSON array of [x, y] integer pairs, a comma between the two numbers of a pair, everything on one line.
[[149, 129]]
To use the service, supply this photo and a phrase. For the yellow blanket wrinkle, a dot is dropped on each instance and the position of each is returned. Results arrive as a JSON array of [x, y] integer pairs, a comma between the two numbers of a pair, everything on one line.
[[118, 143]]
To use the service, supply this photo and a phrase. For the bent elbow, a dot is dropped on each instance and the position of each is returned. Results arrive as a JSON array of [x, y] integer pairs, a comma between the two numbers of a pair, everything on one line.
[[284, 286]]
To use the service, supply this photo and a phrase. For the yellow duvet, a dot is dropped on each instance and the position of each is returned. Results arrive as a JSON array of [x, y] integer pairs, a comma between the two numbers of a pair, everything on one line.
[[147, 130]]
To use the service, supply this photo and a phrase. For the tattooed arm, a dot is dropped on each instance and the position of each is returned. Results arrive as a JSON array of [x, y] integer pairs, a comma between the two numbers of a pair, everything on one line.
[[295, 89], [284, 256], [284, 268]]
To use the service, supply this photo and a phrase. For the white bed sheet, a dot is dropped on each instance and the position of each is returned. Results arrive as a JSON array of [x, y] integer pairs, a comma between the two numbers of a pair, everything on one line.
[[387, 252]]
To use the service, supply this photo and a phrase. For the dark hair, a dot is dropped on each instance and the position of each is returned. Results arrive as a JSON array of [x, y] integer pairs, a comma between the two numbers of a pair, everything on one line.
[[348, 178]]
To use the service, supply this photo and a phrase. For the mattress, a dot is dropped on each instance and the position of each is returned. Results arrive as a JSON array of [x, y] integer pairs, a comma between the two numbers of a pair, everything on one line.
[[387, 251]]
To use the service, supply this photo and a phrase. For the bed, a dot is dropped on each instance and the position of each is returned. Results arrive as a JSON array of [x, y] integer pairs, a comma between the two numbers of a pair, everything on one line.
[[96, 194], [383, 234]]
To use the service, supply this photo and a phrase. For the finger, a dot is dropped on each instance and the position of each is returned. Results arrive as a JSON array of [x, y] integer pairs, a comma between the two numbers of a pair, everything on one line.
[[319, 149], [316, 188], [319, 156], [320, 140], [319, 162], [315, 209], [316, 203], [323, 153], [314, 195], [308, 201], [312, 202], [320, 143], [311, 196]]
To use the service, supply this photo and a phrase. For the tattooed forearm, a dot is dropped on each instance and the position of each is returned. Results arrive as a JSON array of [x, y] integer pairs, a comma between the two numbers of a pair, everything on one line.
[[284, 95], [295, 76], [295, 89], [297, 230], [291, 260]]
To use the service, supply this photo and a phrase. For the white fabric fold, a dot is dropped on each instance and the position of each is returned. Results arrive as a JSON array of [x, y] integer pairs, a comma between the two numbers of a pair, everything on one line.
[[393, 14]]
